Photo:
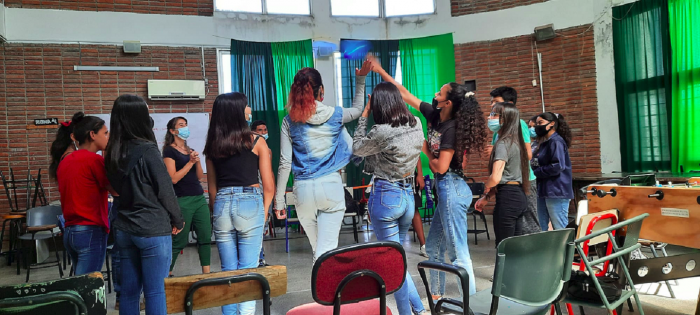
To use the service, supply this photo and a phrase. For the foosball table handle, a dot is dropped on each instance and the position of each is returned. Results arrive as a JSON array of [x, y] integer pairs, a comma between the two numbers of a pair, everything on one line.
[[658, 195]]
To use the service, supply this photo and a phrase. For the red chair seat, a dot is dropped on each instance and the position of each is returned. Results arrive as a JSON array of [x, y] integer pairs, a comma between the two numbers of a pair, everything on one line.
[[370, 307]]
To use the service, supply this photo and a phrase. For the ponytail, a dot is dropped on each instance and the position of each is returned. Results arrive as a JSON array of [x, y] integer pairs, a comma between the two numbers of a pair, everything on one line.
[[303, 94], [62, 142]]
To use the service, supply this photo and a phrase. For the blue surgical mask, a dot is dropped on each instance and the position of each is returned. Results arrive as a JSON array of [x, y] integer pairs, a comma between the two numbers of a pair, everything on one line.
[[183, 133], [494, 125], [249, 120], [265, 136], [533, 134]]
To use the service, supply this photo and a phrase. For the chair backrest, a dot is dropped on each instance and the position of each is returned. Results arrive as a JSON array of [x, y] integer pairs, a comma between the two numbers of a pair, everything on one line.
[[290, 199], [532, 269], [591, 223], [46, 215], [385, 259], [57, 296]]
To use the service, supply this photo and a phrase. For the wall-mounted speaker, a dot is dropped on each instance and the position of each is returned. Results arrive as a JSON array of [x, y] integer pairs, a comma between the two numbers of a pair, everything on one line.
[[132, 47], [545, 32]]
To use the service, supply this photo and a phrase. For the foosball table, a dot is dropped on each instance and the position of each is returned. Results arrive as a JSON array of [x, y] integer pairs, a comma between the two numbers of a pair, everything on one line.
[[674, 218]]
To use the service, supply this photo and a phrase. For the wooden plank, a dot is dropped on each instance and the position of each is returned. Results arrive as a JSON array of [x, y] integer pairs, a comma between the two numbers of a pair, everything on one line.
[[207, 297], [633, 201], [90, 287]]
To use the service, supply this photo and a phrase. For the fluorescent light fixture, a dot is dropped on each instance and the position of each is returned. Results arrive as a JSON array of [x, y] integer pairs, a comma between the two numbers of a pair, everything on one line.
[[108, 68]]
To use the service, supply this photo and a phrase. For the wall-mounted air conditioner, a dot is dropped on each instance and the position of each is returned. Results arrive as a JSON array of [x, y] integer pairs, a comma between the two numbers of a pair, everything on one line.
[[174, 90]]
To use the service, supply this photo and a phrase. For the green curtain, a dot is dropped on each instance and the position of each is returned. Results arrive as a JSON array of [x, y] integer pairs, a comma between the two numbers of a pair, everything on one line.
[[288, 58], [427, 64], [386, 51], [684, 21], [642, 63]]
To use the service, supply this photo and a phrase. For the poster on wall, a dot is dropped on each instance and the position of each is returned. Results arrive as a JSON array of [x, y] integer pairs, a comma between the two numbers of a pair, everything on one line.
[[198, 123]]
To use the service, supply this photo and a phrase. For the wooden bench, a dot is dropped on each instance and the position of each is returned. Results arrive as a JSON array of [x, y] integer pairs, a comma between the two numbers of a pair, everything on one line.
[[184, 294], [83, 295]]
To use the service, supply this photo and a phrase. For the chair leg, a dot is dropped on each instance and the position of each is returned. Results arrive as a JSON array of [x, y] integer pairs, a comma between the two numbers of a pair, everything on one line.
[[286, 235], [58, 259], [580, 308], [354, 229], [486, 226], [629, 304], [557, 308], [569, 309], [476, 236], [28, 259], [668, 284], [18, 253]]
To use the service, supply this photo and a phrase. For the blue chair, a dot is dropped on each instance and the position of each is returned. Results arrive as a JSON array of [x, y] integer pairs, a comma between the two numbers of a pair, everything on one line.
[[291, 200]]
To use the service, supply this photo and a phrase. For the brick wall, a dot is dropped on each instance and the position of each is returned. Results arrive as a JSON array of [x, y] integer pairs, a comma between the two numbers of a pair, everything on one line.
[[38, 81], [569, 77], [464, 7], [172, 7]]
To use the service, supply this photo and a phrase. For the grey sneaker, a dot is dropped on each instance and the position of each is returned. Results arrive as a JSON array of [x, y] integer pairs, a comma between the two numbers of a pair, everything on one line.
[[422, 251]]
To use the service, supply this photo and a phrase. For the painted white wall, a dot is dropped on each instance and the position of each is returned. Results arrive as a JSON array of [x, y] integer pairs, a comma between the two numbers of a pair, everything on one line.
[[2, 21], [32, 25]]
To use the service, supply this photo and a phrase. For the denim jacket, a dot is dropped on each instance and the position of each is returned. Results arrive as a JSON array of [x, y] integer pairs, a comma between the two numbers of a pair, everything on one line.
[[319, 146], [554, 178]]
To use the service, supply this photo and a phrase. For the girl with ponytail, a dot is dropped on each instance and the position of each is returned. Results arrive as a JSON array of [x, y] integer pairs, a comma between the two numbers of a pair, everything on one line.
[[83, 185], [455, 128], [553, 170], [63, 144], [314, 146]]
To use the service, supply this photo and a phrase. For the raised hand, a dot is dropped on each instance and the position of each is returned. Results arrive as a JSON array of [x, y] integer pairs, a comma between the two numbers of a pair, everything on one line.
[[376, 65], [366, 68]]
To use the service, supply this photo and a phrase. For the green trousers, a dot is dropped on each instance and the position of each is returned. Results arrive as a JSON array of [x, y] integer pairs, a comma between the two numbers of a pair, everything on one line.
[[195, 211]]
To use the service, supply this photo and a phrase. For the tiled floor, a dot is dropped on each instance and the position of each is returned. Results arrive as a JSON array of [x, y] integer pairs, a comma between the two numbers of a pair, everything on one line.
[[655, 298]]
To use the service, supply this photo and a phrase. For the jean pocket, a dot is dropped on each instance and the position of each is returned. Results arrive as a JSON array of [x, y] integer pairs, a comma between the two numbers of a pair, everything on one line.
[[80, 240], [220, 203], [248, 207], [390, 198]]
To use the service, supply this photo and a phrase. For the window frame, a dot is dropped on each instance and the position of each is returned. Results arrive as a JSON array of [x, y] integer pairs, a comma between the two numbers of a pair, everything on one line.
[[266, 12], [382, 12], [220, 53]]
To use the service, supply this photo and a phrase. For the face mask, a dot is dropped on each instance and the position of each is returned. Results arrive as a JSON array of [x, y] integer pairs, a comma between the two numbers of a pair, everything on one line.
[[249, 120], [533, 134], [494, 125], [183, 133], [435, 104], [265, 136], [541, 131]]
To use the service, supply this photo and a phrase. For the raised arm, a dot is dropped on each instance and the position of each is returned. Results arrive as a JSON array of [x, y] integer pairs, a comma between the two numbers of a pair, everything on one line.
[[409, 98], [350, 114]]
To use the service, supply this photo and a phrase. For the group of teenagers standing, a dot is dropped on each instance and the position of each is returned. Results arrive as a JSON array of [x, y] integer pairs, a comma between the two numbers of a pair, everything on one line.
[[158, 195]]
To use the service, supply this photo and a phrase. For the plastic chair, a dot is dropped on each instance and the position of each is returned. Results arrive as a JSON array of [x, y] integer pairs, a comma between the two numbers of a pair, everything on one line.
[[76, 295], [233, 280], [291, 200], [530, 272], [41, 223], [354, 276], [633, 225]]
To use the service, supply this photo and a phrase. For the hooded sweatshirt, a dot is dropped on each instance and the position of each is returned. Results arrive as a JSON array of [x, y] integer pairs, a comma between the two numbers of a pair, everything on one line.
[[319, 146]]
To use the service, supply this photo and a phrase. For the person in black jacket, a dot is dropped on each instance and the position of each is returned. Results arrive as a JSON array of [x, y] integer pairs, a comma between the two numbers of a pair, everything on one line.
[[552, 166], [148, 211]]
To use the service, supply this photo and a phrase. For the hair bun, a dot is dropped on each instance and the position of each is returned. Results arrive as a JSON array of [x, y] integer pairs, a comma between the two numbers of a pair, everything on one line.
[[77, 117]]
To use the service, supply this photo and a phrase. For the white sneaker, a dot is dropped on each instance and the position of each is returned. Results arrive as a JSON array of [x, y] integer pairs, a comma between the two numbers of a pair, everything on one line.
[[422, 251]]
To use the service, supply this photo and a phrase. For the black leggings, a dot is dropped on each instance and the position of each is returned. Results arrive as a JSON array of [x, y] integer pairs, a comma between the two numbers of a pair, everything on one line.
[[511, 204]]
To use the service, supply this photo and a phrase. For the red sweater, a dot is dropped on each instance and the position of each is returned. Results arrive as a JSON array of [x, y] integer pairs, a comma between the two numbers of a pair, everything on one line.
[[82, 182]]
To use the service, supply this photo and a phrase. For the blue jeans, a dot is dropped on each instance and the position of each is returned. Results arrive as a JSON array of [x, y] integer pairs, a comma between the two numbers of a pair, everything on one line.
[[321, 207], [87, 247], [391, 208], [448, 230], [145, 263], [239, 218], [116, 269], [555, 209]]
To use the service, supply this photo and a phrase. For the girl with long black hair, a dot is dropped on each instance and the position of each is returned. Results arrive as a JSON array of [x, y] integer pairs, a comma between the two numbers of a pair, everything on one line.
[[455, 128], [553, 171], [235, 157], [147, 211], [83, 184], [391, 149], [63, 144], [185, 169], [509, 175]]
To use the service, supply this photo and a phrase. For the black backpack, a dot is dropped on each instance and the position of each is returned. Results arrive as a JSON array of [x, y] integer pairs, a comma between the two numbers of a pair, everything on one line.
[[581, 287]]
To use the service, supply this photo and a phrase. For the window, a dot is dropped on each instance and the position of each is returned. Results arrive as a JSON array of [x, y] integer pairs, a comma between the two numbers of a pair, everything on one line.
[[291, 7], [224, 71], [392, 8], [367, 8], [408, 7]]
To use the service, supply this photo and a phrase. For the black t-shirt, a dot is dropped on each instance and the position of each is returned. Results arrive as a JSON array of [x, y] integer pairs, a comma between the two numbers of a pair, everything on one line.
[[188, 185], [442, 136]]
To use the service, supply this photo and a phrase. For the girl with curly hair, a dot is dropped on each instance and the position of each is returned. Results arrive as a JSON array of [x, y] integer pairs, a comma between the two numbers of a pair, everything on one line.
[[314, 146], [553, 170], [455, 128]]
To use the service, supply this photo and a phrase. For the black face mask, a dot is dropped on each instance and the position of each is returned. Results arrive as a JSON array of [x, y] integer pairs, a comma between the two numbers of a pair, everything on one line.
[[152, 122], [541, 130], [435, 104]]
